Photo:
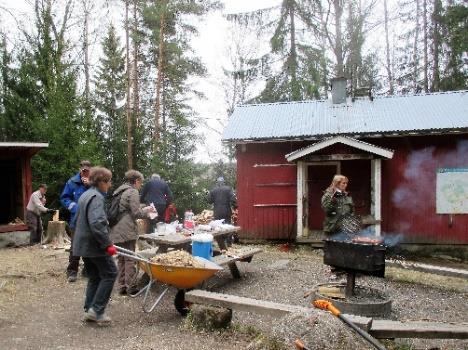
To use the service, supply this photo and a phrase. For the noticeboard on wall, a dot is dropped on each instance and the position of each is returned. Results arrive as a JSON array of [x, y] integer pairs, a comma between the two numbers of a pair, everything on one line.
[[452, 191]]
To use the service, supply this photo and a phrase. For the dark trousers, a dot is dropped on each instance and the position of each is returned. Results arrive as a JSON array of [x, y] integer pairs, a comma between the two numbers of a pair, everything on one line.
[[73, 261], [127, 268], [102, 274], [161, 209], [34, 223]]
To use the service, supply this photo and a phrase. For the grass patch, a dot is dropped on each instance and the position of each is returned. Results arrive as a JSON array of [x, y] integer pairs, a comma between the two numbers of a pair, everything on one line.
[[427, 279]]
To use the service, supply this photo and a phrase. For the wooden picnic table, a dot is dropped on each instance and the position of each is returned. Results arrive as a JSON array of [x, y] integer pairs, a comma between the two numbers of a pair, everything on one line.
[[180, 241]]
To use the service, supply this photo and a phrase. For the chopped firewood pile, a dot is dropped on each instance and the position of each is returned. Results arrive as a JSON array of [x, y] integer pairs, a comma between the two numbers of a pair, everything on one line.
[[177, 258], [204, 217]]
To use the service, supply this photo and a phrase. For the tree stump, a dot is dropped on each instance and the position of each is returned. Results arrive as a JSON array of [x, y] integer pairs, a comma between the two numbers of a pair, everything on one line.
[[210, 317], [56, 233]]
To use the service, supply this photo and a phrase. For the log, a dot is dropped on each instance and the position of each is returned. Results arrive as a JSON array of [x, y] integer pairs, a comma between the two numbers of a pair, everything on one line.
[[210, 317], [418, 329], [56, 233]]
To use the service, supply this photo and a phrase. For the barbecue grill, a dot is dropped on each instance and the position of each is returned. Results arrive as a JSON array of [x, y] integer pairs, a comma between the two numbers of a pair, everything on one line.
[[355, 257]]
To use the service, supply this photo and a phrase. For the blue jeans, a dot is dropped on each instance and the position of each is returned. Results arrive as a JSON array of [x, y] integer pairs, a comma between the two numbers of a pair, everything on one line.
[[102, 274]]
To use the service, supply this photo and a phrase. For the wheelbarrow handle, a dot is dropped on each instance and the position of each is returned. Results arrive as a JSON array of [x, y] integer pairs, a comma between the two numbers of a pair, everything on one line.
[[123, 250], [132, 257]]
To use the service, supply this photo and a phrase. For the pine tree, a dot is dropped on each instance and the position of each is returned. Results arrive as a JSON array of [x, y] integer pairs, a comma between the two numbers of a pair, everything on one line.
[[455, 24], [169, 31], [109, 104]]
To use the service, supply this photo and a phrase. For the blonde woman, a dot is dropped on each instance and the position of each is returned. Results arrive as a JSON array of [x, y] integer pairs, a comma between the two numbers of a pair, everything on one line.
[[337, 204]]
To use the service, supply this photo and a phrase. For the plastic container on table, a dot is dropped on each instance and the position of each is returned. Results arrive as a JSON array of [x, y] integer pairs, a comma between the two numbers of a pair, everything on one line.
[[202, 245], [188, 220]]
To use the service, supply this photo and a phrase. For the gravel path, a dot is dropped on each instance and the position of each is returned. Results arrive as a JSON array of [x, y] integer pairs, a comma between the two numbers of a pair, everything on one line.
[[39, 310]]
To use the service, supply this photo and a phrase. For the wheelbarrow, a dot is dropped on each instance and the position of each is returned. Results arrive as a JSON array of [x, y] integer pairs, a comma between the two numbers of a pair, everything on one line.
[[180, 277]]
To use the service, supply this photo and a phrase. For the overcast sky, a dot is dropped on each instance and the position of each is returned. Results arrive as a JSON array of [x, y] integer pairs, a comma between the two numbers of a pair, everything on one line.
[[211, 45]]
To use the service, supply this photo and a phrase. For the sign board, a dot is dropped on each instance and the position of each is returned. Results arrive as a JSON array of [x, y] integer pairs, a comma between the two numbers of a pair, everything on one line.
[[452, 191]]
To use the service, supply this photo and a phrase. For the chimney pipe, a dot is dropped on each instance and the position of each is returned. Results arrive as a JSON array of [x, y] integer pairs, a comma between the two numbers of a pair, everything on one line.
[[338, 90]]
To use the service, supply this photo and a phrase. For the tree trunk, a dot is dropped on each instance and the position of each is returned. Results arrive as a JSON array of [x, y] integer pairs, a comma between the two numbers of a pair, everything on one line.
[[415, 49], [295, 91], [387, 49], [86, 57], [136, 76], [160, 77], [128, 86], [338, 47], [323, 49], [426, 83], [436, 45]]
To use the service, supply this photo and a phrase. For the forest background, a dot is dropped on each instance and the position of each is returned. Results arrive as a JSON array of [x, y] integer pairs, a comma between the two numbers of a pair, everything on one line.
[[122, 83]]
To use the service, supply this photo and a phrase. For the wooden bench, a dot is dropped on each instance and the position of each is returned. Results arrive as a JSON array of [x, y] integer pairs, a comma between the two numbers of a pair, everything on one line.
[[243, 255]]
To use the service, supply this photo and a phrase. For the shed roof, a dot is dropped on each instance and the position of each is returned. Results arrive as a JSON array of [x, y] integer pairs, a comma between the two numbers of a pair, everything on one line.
[[394, 115], [27, 147]]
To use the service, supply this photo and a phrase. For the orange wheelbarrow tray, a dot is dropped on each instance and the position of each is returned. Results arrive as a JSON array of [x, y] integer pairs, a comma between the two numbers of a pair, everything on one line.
[[180, 277]]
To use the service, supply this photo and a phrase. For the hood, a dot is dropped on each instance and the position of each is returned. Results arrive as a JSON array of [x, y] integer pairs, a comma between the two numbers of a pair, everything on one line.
[[121, 188]]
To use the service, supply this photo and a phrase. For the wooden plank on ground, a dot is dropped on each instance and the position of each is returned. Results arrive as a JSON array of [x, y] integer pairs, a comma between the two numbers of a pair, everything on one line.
[[259, 306], [241, 303], [418, 329], [378, 328], [438, 270]]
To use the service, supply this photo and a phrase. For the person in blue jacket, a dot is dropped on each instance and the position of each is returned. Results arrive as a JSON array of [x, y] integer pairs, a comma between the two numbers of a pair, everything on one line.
[[71, 193]]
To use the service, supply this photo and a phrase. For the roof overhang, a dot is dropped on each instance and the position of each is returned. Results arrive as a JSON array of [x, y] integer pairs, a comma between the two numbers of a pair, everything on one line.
[[24, 147], [363, 146]]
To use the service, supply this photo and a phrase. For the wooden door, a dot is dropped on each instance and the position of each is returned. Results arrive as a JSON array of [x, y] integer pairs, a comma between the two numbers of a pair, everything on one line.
[[319, 178]]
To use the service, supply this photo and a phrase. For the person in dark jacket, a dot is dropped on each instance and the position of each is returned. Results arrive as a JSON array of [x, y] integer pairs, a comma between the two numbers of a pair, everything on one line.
[[156, 191], [337, 205], [71, 193], [223, 199], [92, 242], [125, 233]]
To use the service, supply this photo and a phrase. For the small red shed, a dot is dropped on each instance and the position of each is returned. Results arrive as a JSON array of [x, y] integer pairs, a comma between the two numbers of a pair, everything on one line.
[[16, 180], [406, 158]]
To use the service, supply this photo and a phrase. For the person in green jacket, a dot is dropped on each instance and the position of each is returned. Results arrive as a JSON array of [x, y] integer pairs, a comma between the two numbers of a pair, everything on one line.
[[337, 205]]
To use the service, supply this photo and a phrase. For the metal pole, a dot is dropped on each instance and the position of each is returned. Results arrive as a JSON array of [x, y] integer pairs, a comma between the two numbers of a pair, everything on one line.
[[362, 333]]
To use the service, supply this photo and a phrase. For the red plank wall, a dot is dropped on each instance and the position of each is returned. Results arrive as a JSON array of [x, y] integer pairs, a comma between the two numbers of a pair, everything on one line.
[[408, 188], [266, 191]]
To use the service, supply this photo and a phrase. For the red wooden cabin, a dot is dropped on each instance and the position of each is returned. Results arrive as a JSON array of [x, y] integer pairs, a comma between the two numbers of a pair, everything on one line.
[[406, 158], [16, 182]]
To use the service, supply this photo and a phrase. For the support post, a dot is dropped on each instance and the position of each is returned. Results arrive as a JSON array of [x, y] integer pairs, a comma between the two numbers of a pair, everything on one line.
[[302, 207], [376, 190]]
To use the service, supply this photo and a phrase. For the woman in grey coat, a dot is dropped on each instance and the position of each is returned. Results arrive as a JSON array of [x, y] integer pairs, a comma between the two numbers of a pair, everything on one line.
[[92, 242], [125, 232]]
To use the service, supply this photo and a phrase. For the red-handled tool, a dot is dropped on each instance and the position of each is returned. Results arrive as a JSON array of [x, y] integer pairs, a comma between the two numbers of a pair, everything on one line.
[[328, 306], [300, 345]]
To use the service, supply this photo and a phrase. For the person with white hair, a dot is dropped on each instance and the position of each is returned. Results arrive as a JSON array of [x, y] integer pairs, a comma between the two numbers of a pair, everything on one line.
[[156, 191]]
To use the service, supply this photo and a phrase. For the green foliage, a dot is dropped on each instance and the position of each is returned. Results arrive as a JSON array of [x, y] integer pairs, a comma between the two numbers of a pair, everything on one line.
[[455, 22], [109, 105], [173, 159]]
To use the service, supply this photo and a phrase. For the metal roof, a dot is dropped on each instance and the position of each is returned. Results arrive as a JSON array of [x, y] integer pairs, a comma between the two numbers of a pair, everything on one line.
[[400, 115]]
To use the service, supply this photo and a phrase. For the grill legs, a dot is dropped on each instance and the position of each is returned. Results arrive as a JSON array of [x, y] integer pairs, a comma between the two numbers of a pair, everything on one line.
[[350, 283]]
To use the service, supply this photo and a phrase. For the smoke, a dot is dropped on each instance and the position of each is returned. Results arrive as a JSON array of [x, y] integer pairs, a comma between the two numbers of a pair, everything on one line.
[[416, 193]]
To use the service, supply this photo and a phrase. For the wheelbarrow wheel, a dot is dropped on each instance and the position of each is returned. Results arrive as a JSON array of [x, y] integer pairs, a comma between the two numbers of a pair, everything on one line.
[[180, 304]]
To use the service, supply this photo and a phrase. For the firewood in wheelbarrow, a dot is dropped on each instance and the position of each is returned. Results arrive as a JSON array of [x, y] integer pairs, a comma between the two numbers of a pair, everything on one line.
[[177, 258]]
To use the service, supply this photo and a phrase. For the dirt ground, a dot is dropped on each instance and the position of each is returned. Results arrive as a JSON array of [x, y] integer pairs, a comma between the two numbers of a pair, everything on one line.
[[40, 310]]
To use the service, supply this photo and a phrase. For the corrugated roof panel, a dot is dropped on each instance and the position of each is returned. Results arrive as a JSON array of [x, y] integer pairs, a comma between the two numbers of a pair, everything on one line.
[[401, 114]]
